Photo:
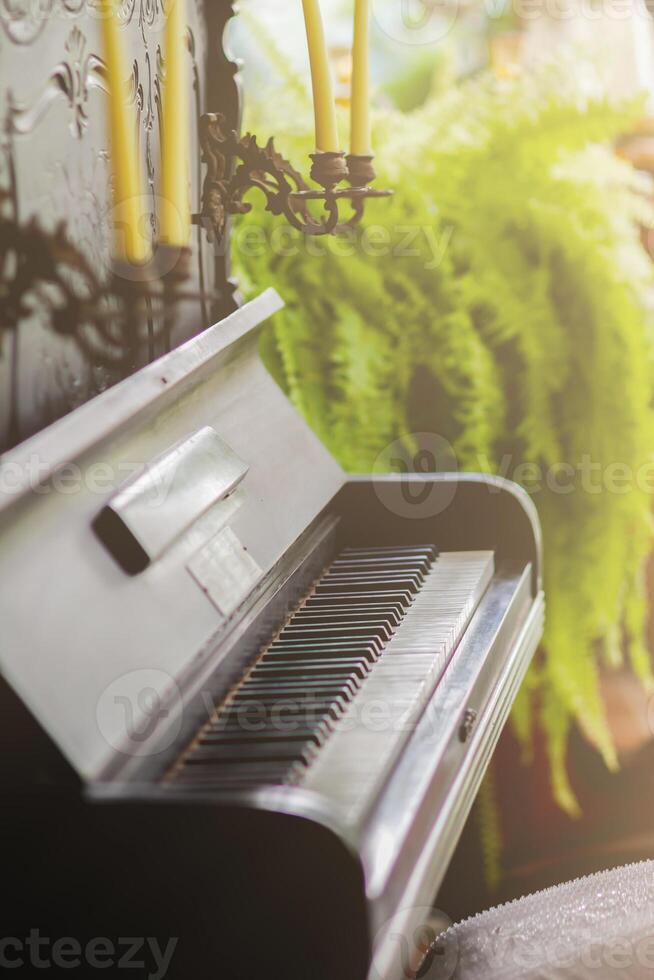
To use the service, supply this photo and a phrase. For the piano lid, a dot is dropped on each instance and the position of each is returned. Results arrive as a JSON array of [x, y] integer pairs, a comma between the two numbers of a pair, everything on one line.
[[133, 528]]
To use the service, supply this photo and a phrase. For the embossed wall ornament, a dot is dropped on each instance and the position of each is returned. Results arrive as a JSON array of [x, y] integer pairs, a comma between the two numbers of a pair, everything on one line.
[[150, 15], [157, 88], [77, 75], [24, 20], [145, 93], [73, 78]]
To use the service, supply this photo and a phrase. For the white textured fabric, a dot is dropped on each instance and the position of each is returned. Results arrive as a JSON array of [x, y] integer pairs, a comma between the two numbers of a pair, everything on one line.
[[591, 929]]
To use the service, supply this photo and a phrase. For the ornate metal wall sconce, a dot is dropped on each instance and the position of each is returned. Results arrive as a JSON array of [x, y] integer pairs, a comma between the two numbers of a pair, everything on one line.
[[236, 165], [112, 317]]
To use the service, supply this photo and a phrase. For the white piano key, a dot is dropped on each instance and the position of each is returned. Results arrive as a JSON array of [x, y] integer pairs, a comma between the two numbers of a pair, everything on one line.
[[359, 754]]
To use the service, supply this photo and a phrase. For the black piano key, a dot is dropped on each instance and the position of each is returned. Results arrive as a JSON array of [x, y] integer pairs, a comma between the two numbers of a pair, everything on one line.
[[350, 573], [214, 755], [281, 691], [338, 631], [337, 654], [310, 711], [263, 676], [292, 642], [313, 639], [325, 651], [349, 581], [286, 730], [338, 621], [341, 622], [349, 598], [302, 733], [295, 685], [430, 551], [294, 700], [283, 657], [297, 700], [378, 584], [351, 604], [309, 669], [347, 625], [390, 615], [362, 616], [392, 555], [336, 598], [288, 695], [390, 564], [356, 645]]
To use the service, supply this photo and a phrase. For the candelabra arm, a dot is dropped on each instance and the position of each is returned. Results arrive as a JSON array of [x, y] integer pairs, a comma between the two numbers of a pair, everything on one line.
[[237, 165]]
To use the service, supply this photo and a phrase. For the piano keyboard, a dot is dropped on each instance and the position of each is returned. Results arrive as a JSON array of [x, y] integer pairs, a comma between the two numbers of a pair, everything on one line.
[[330, 701]]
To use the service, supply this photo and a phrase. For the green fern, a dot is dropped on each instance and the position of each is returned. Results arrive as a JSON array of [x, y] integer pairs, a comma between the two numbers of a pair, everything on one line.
[[531, 335]]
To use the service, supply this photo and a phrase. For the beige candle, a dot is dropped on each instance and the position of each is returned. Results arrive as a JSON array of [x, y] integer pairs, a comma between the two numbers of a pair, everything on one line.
[[132, 238], [175, 216], [323, 89], [360, 139]]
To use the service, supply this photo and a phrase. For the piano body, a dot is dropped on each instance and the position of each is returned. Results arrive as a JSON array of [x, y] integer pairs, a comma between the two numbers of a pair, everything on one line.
[[247, 700]]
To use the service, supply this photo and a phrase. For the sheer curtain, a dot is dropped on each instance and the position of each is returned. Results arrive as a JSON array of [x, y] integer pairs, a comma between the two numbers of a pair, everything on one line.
[[618, 37]]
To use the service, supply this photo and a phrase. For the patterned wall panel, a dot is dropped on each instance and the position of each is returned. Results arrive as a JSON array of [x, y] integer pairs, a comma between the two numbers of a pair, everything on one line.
[[55, 166]]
